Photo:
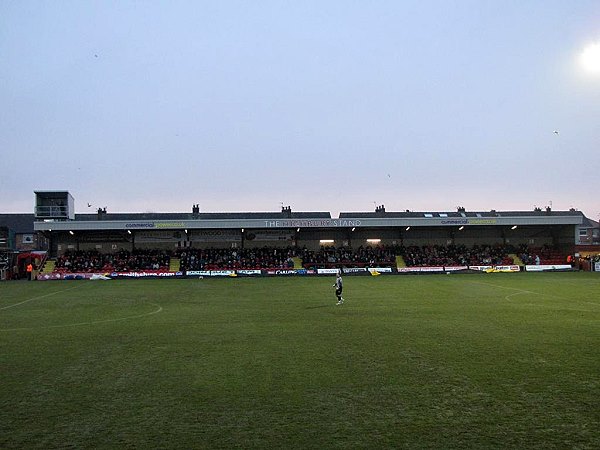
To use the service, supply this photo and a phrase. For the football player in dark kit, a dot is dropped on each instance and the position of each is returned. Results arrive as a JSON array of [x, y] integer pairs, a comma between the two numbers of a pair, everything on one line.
[[339, 286]]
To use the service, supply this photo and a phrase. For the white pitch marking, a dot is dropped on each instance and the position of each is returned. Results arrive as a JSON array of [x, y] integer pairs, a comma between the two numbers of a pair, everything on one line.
[[90, 323], [521, 291], [504, 287], [37, 298], [516, 293]]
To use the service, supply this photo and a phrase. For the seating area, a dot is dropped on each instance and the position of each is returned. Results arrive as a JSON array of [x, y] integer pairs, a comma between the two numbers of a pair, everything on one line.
[[541, 255], [283, 258], [332, 257], [236, 259], [93, 261], [456, 255]]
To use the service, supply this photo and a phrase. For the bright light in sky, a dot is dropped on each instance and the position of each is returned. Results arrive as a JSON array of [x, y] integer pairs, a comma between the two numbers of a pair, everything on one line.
[[590, 58]]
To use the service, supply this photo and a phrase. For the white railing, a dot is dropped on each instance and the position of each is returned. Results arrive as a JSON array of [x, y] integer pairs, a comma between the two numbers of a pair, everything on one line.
[[52, 211]]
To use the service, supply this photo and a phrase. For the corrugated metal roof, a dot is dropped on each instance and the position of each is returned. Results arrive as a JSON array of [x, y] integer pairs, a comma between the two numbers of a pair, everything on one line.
[[455, 214], [202, 216], [23, 223]]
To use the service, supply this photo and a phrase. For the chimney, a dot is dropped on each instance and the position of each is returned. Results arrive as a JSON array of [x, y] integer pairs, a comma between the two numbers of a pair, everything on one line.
[[102, 213], [286, 211]]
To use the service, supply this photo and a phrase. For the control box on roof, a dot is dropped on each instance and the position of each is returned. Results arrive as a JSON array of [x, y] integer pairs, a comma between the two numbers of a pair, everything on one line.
[[54, 205]]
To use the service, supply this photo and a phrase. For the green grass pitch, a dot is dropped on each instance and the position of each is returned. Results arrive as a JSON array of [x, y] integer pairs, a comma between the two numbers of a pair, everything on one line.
[[461, 361]]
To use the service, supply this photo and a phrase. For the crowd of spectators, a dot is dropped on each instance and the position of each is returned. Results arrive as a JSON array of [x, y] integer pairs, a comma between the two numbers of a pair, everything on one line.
[[530, 258], [381, 256], [540, 255], [456, 255], [232, 259], [82, 261], [326, 257]]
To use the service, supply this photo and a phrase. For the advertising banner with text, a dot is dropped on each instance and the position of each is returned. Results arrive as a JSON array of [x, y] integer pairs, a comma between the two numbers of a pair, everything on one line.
[[546, 267], [159, 236], [216, 236], [270, 235]]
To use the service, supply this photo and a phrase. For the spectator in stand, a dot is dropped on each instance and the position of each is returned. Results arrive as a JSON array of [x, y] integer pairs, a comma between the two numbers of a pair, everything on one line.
[[226, 259], [384, 256], [452, 255], [93, 261]]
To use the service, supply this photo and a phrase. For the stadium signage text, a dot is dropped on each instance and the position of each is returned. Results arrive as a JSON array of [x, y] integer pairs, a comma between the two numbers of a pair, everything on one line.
[[249, 272], [354, 269], [333, 223], [215, 235], [140, 225], [327, 271], [310, 223], [545, 267], [65, 276], [169, 225], [283, 272], [145, 274], [292, 272], [469, 222], [380, 269], [421, 269], [155, 225], [222, 273]]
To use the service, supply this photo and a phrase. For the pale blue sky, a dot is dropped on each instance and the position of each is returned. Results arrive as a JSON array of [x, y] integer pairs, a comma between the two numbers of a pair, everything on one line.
[[323, 105]]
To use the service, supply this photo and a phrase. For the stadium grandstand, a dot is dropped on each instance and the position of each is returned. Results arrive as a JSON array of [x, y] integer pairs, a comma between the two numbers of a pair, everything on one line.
[[62, 244]]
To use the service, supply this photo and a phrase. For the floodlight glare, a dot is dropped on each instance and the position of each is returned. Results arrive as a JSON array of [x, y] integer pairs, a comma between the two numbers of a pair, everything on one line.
[[590, 58]]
